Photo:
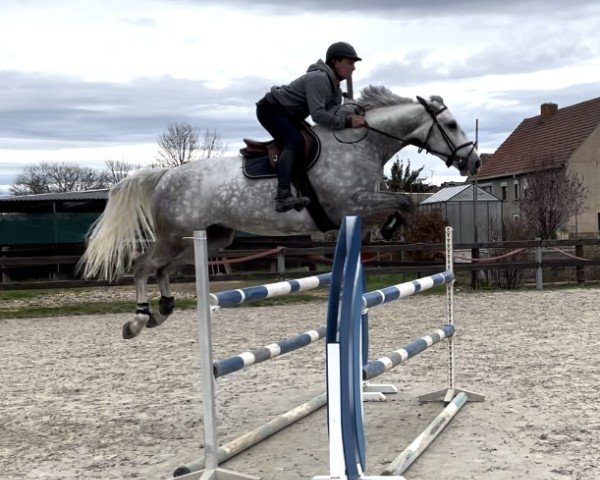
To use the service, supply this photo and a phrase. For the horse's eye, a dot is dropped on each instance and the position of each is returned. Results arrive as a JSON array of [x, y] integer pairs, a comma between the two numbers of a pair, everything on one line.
[[452, 125]]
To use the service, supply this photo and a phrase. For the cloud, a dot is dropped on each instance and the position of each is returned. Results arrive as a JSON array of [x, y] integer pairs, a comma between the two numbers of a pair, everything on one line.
[[49, 112], [431, 8], [492, 61], [43, 106], [501, 116], [541, 49], [144, 22]]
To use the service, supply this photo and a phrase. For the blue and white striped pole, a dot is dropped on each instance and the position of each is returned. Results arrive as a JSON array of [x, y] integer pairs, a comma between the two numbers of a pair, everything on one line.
[[377, 297], [397, 357], [233, 298], [268, 352], [402, 290]]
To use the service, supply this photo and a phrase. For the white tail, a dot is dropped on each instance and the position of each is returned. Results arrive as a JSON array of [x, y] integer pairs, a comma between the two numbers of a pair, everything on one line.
[[124, 229]]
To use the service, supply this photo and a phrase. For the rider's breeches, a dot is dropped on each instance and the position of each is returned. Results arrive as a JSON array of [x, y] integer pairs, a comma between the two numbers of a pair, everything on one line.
[[278, 122]]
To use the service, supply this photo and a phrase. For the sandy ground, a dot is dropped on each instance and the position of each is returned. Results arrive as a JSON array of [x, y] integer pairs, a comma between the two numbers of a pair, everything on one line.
[[77, 401]]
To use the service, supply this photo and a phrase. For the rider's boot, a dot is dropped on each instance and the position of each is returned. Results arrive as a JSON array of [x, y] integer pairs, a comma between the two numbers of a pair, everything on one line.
[[284, 200]]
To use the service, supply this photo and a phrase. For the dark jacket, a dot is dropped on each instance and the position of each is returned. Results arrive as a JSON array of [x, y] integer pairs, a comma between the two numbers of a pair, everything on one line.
[[316, 93]]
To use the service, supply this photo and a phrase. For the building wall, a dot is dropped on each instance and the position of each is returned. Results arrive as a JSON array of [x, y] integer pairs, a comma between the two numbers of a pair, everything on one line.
[[459, 215], [510, 190], [585, 161]]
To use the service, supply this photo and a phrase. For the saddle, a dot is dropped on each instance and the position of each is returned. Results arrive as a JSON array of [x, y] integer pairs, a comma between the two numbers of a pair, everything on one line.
[[259, 160]]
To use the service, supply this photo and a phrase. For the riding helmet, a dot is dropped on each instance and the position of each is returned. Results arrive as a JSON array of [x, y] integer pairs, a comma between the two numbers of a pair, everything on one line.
[[341, 50]]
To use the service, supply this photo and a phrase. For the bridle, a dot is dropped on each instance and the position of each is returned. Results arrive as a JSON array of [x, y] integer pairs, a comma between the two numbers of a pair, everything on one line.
[[461, 162]]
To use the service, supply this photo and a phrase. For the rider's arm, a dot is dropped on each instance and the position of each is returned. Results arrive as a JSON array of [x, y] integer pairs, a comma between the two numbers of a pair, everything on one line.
[[322, 104]]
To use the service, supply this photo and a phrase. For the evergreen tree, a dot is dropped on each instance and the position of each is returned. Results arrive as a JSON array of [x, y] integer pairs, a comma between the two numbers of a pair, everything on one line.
[[404, 179]]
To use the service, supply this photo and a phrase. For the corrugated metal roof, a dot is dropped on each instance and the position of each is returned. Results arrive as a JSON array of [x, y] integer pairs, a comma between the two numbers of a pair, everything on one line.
[[100, 194], [445, 194], [461, 193]]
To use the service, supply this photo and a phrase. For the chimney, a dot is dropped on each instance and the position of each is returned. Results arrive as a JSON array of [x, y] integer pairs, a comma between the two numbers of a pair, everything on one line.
[[548, 109]]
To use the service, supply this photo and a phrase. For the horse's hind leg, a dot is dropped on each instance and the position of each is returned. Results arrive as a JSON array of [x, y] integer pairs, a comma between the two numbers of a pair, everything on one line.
[[166, 303], [144, 266], [164, 264], [165, 259], [217, 237], [142, 271]]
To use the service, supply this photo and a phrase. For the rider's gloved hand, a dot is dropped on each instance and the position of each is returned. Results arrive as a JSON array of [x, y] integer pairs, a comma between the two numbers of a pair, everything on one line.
[[358, 121]]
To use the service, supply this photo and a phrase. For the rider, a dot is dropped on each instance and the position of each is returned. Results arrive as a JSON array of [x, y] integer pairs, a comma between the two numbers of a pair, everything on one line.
[[317, 93]]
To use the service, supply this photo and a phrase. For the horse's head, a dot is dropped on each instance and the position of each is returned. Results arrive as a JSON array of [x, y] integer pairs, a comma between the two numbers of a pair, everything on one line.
[[442, 136], [433, 129]]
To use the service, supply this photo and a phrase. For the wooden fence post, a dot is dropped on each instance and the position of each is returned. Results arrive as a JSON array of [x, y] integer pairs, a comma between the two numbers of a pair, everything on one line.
[[538, 268], [475, 273], [281, 265], [580, 269]]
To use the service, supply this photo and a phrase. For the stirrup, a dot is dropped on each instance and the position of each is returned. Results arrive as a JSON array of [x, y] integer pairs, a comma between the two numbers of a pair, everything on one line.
[[287, 203]]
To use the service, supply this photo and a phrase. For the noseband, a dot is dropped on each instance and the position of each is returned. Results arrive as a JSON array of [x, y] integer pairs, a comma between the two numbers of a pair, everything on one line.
[[461, 162]]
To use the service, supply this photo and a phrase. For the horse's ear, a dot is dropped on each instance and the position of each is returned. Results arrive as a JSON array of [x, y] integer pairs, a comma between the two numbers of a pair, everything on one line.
[[422, 101], [437, 98]]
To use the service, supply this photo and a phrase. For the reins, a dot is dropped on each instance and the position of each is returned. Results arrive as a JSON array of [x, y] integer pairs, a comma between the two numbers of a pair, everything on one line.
[[461, 163]]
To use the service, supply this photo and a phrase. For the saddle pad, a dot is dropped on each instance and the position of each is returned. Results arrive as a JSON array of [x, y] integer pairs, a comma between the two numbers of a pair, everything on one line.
[[258, 167]]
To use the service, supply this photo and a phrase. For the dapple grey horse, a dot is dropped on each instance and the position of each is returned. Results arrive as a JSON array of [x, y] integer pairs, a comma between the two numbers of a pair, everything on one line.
[[150, 215]]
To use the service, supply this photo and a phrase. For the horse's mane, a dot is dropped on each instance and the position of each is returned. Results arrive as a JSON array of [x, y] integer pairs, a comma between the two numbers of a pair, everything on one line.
[[375, 96]]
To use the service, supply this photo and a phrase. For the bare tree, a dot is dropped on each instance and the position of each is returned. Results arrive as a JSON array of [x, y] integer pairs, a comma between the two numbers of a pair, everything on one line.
[[553, 196], [180, 143], [509, 278], [47, 177], [116, 171], [212, 145]]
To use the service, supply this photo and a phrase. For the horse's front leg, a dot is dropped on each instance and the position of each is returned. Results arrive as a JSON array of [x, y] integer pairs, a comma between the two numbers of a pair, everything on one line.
[[364, 202], [166, 304], [370, 202]]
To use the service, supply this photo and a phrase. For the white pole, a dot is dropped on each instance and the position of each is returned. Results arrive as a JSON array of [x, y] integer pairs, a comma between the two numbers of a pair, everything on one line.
[[206, 354], [211, 445], [450, 306], [403, 461], [259, 434]]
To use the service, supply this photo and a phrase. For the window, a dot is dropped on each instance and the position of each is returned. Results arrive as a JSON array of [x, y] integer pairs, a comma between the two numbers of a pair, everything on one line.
[[504, 192], [516, 197], [516, 217]]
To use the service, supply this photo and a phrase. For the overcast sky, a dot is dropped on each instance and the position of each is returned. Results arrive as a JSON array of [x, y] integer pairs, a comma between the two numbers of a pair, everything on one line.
[[91, 81]]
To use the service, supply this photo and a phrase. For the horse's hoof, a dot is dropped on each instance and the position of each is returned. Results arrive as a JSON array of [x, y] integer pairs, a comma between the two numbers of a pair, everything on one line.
[[156, 319], [166, 305], [132, 328], [127, 333]]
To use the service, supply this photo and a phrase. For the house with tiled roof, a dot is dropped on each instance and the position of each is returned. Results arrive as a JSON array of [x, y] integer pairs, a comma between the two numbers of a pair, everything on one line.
[[567, 136]]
